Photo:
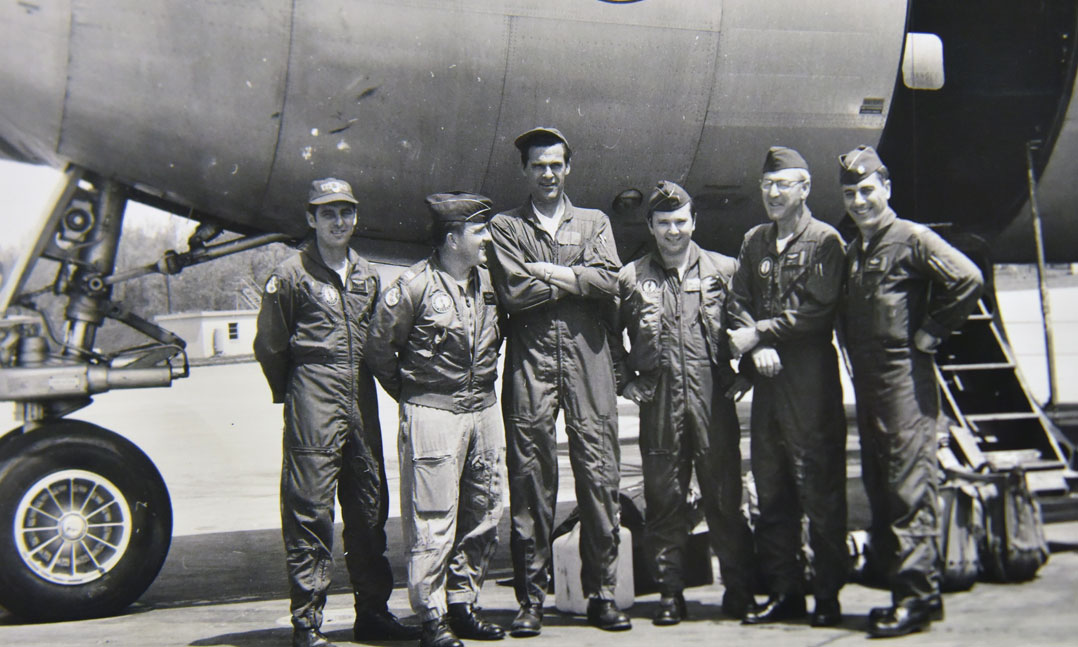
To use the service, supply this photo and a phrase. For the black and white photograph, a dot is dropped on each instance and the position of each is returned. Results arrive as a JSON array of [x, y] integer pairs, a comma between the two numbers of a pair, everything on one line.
[[572, 322]]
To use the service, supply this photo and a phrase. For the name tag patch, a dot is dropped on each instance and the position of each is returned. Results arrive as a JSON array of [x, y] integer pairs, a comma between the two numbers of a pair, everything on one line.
[[876, 264], [569, 238], [692, 285]]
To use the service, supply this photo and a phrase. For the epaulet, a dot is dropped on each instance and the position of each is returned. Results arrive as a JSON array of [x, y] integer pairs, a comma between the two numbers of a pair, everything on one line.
[[409, 275]]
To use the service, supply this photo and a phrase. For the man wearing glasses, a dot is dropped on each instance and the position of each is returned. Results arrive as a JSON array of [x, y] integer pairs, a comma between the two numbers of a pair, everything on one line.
[[785, 294]]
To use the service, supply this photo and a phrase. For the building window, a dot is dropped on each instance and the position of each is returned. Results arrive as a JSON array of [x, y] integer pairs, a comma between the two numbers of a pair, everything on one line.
[[233, 330]]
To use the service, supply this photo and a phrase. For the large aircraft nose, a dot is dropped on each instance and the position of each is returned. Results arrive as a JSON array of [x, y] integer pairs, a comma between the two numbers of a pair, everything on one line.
[[33, 78]]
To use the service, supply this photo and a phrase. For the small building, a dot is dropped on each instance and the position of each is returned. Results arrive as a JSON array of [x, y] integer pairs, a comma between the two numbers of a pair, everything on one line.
[[213, 333]]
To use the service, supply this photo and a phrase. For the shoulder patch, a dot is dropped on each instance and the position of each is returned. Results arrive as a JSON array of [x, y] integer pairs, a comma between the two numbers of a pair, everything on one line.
[[393, 296], [272, 285]]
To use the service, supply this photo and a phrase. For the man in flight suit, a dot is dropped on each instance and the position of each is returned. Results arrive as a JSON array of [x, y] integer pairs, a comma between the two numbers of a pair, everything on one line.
[[311, 329], [555, 270], [786, 292], [433, 346], [673, 303], [906, 290]]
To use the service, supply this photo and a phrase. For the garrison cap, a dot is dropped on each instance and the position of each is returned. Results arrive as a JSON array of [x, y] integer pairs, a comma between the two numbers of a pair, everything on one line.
[[780, 158], [328, 190], [667, 196], [858, 164], [524, 140], [458, 206]]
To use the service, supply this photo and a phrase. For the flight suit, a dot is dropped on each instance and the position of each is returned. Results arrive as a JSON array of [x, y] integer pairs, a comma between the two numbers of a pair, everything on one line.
[[559, 359], [434, 348], [681, 359], [311, 331], [798, 423], [907, 279]]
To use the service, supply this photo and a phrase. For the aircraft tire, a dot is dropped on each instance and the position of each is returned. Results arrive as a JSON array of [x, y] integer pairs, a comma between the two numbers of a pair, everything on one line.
[[85, 522]]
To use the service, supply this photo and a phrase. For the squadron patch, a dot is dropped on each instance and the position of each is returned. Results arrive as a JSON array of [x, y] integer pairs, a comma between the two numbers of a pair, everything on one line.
[[329, 295], [650, 288], [441, 302], [765, 267], [272, 284], [393, 296]]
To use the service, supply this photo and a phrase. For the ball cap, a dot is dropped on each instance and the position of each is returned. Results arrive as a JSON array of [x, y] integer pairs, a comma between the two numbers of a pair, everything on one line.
[[858, 164], [328, 190], [458, 206], [667, 196], [524, 140], [780, 158]]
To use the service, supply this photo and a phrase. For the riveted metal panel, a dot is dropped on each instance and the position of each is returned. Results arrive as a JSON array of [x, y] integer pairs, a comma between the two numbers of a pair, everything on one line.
[[806, 75], [399, 100], [33, 77], [631, 100], [179, 96]]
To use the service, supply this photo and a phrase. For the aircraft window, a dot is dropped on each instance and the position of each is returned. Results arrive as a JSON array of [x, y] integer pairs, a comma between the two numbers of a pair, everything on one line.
[[922, 62], [233, 330]]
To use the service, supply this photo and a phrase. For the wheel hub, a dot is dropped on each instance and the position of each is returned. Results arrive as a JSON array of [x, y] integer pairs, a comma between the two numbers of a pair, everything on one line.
[[72, 527]]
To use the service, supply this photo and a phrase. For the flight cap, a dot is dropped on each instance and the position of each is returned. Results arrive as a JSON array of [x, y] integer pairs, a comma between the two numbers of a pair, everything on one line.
[[524, 140], [328, 190], [667, 196], [858, 164], [458, 206], [780, 158]]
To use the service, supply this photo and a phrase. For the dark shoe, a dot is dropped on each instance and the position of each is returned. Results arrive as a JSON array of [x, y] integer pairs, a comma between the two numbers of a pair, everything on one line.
[[381, 625], [935, 609], [671, 611], [528, 623], [737, 605], [464, 620], [605, 615], [436, 633], [784, 606], [309, 638], [828, 613], [908, 617]]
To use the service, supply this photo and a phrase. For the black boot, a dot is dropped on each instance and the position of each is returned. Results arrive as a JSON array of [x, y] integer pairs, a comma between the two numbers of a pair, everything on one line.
[[464, 620], [935, 609], [380, 624], [783, 606], [436, 633], [671, 610], [738, 605], [907, 617], [309, 638], [528, 623], [605, 615], [827, 613]]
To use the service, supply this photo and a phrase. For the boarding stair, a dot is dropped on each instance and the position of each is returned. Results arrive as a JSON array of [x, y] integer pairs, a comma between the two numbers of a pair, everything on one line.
[[995, 423]]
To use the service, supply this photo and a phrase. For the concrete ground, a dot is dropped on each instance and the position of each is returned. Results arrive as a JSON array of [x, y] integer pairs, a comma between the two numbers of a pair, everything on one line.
[[216, 440]]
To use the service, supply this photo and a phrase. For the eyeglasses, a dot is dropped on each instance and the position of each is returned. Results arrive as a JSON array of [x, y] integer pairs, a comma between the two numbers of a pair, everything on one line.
[[782, 185]]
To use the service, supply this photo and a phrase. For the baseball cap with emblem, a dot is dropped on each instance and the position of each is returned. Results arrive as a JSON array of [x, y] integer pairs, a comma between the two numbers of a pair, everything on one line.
[[780, 158], [458, 206], [328, 190], [858, 164], [667, 196], [524, 140]]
